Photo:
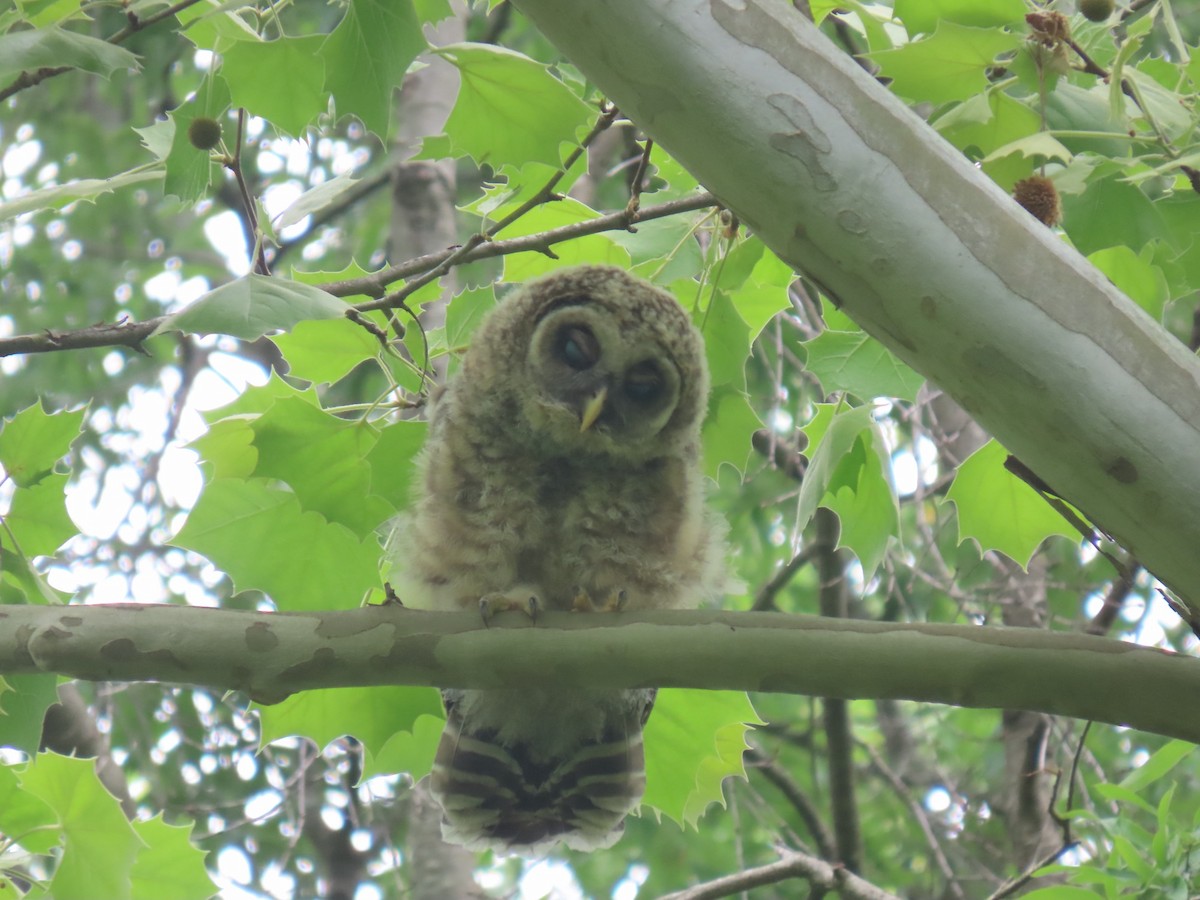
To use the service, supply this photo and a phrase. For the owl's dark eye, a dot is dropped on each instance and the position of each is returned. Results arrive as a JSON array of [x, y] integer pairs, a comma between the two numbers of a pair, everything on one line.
[[643, 383], [578, 347]]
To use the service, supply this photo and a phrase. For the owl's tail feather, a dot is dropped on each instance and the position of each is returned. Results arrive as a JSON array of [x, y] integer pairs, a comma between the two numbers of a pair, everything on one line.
[[514, 800]]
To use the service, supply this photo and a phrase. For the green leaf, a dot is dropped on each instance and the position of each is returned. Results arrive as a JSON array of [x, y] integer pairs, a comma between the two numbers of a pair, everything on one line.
[[252, 306], [32, 441], [1000, 511], [594, 249], [84, 189], [170, 867], [853, 361], [862, 496], [392, 461], [983, 124], [99, 845], [1144, 283], [510, 109], [693, 741], [726, 339], [323, 459], [1111, 213], [264, 541], [324, 351], [1163, 760], [52, 47], [23, 815], [372, 715], [190, 169], [281, 80], [408, 751], [831, 434], [950, 65], [366, 57], [38, 518], [316, 199], [228, 448], [464, 313], [728, 431], [24, 700], [923, 16]]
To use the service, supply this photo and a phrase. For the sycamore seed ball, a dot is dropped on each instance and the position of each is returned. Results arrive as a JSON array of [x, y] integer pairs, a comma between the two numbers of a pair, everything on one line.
[[204, 133], [1096, 10]]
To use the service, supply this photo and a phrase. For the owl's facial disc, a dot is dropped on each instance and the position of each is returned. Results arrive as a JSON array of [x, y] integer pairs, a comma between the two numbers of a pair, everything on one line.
[[612, 390]]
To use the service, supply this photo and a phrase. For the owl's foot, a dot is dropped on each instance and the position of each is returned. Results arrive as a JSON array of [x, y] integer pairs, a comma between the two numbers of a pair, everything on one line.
[[522, 601], [615, 601]]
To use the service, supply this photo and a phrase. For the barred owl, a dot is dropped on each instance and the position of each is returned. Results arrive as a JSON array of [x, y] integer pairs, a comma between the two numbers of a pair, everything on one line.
[[561, 472]]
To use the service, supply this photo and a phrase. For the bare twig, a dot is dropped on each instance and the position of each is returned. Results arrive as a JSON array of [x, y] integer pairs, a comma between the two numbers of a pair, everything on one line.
[[791, 864], [132, 334], [805, 808], [29, 79]]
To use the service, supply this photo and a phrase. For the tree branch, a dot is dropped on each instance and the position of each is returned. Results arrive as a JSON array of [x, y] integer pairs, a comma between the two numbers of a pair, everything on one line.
[[131, 334], [791, 864], [920, 248], [272, 655]]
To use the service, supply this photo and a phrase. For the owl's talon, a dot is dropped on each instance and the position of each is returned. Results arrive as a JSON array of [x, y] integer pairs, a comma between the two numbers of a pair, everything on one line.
[[617, 601], [490, 604]]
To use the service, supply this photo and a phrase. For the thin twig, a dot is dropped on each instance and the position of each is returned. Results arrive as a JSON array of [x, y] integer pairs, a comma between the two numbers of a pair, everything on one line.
[[29, 79], [132, 334], [791, 864], [546, 194]]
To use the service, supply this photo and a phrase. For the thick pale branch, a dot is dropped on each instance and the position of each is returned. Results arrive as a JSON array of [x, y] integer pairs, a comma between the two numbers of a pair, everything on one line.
[[271, 655], [921, 249]]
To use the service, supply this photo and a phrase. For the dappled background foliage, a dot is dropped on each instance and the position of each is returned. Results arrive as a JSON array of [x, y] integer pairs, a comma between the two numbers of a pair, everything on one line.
[[193, 418]]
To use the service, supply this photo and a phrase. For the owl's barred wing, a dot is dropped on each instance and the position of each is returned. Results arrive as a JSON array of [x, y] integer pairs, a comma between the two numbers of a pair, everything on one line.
[[500, 792]]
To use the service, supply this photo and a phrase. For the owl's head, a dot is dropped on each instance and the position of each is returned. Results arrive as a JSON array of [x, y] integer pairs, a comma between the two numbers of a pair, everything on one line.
[[599, 362]]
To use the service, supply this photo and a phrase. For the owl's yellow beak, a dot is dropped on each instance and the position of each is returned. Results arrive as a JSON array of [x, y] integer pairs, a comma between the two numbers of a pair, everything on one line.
[[592, 409]]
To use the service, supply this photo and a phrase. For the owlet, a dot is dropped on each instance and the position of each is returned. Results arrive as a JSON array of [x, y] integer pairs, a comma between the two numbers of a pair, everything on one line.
[[562, 471]]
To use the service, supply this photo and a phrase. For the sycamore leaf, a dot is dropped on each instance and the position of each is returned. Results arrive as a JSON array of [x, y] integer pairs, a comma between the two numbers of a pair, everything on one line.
[[831, 434], [170, 866], [99, 844], [408, 751], [84, 189], [1141, 281], [374, 716], [366, 57], [728, 431], [264, 541], [950, 65], [855, 362], [923, 16], [324, 351], [32, 441], [281, 80], [862, 496], [323, 459], [999, 510], [726, 339], [37, 519], [315, 199], [23, 813], [694, 740], [253, 306], [510, 109], [392, 461], [52, 47], [24, 700], [189, 169]]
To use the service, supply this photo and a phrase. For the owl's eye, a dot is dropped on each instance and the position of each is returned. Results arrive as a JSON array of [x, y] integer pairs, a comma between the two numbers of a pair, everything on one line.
[[643, 383], [578, 348]]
